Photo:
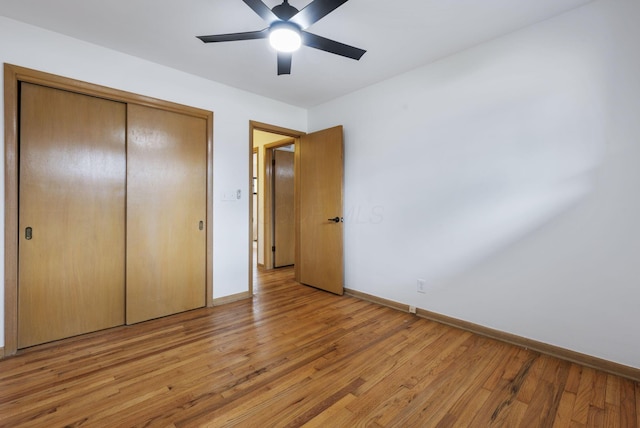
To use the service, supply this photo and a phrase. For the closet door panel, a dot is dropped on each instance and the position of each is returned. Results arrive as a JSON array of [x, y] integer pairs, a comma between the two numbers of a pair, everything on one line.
[[166, 213], [71, 214]]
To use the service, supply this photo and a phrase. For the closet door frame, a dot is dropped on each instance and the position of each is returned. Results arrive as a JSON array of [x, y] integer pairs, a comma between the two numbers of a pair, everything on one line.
[[13, 76]]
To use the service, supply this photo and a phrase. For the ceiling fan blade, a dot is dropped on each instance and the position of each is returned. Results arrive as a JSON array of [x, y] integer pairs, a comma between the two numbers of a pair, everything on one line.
[[284, 63], [262, 9], [231, 37], [315, 11], [327, 45]]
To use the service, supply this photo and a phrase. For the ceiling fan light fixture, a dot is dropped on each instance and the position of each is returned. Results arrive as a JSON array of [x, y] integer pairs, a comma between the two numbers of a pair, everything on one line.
[[285, 37], [287, 30]]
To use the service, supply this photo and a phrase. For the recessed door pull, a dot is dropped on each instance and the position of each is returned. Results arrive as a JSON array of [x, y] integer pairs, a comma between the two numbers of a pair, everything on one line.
[[28, 233], [201, 225]]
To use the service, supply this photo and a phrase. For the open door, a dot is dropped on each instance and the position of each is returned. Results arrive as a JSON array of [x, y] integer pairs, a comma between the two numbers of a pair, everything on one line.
[[283, 215], [320, 170]]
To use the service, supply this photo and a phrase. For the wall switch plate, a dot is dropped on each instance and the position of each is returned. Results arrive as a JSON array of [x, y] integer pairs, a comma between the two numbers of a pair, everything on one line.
[[231, 195], [422, 286]]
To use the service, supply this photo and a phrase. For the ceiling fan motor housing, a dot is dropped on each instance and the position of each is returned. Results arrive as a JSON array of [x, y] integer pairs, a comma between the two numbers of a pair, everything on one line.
[[285, 11]]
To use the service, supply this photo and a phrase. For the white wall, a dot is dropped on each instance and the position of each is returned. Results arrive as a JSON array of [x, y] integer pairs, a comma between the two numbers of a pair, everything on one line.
[[31, 47], [507, 177]]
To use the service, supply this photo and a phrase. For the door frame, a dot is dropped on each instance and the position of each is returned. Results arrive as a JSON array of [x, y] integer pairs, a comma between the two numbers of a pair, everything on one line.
[[288, 135], [13, 75]]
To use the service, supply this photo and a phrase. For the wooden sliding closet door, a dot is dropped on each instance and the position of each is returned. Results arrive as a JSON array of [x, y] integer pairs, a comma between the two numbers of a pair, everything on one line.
[[71, 214], [166, 213]]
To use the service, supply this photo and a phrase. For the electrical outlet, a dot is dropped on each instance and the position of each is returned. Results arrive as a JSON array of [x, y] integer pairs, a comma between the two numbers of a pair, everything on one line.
[[412, 309], [422, 286]]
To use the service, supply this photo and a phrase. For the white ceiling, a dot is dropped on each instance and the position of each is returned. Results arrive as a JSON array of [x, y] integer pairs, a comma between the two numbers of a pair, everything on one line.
[[398, 35]]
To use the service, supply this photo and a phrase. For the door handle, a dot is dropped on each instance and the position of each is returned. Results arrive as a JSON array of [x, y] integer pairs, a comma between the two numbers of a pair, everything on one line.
[[28, 233], [335, 219]]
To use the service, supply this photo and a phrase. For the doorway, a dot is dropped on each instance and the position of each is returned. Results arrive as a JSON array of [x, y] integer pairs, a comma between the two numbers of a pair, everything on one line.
[[275, 154], [318, 205], [264, 139]]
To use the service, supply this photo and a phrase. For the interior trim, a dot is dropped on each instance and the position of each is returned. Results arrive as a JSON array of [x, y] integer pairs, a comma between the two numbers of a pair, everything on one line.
[[232, 298], [13, 75], [522, 342]]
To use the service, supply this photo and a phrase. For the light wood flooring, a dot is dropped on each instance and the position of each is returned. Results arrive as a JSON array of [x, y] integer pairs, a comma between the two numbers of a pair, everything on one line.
[[295, 356]]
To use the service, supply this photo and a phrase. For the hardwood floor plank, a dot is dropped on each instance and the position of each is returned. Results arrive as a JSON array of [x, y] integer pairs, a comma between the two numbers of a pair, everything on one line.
[[354, 354], [296, 356], [531, 382], [505, 392], [543, 407], [584, 396], [599, 390], [462, 415], [637, 387], [513, 417], [564, 413], [432, 397], [595, 417], [628, 410], [336, 415], [573, 381], [612, 394], [475, 367], [473, 398], [611, 416], [420, 366]]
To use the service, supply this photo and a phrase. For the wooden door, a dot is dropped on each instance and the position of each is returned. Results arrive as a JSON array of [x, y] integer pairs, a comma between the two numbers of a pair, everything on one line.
[[166, 213], [320, 205], [283, 214], [71, 214]]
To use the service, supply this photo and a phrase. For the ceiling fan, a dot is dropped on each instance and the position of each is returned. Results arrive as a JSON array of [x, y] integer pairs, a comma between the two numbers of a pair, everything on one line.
[[286, 30]]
